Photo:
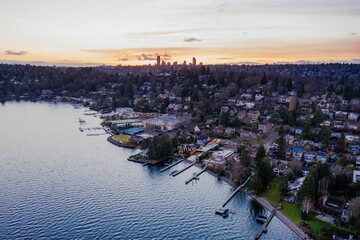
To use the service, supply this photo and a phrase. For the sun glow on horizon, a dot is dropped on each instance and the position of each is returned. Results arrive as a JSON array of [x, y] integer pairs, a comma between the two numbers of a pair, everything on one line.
[[134, 33]]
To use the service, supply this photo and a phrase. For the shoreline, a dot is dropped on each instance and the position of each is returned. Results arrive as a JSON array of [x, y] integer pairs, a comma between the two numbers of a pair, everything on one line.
[[264, 202]]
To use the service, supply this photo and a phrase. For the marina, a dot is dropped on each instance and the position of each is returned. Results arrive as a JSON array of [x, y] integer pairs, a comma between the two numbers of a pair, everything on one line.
[[183, 170], [171, 165], [196, 175]]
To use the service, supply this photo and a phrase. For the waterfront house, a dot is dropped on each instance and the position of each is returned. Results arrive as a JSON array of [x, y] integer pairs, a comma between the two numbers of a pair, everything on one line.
[[356, 176]]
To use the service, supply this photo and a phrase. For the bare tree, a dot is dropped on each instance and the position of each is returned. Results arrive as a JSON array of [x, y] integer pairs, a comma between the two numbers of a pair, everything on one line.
[[306, 205], [354, 207]]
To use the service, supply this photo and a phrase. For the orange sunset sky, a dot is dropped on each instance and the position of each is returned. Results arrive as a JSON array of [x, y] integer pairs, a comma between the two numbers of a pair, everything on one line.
[[75, 32]]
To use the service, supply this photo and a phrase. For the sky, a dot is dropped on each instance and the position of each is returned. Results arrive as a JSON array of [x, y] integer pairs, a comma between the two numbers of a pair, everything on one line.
[[113, 32]]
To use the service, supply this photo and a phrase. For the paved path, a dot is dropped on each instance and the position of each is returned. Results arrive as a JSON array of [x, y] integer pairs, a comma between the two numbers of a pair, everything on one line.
[[283, 218]]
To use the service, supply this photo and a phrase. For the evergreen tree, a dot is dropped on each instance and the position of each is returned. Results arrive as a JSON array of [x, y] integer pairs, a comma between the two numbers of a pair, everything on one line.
[[264, 80], [261, 153], [307, 189], [281, 148], [341, 144]]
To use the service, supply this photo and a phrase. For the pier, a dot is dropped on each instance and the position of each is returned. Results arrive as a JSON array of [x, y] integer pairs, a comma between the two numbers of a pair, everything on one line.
[[237, 190], [90, 128], [196, 176], [266, 224], [170, 166], [184, 169]]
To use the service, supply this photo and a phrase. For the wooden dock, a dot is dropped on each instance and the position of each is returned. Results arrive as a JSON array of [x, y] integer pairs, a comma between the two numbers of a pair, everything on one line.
[[170, 166], [196, 176], [237, 190], [266, 224], [231, 196], [184, 169]]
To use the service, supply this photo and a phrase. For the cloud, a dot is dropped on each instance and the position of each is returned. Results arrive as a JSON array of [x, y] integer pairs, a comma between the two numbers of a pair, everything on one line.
[[217, 6], [356, 60], [146, 57], [19, 53], [123, 59], [192, 39], [353, 33]]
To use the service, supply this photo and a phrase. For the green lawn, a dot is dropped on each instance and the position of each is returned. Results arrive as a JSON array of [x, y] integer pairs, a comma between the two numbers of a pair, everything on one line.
[[122, 138], [291, 210]]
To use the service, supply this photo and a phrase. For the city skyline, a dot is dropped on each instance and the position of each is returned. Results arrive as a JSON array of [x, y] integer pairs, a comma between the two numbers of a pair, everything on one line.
[[215, 32]]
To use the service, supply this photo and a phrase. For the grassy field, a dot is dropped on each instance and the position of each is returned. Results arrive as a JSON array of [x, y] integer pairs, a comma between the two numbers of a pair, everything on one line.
[[122, 138], [292, 211]]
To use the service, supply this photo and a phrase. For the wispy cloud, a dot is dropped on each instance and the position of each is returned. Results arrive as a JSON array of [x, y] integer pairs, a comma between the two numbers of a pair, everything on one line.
[[16, 53], [123, 59], [192, 39], [353, 33], [217, 6]]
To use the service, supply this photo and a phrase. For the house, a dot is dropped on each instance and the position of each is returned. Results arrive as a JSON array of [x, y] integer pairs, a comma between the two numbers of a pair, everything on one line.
[[305, 170], [297, 130], [219, 158], [340, 115], [258, 97], [229, 131], [264, 127], [202, 139], [351, 137], [357, 162], [241, 114], [339, 125], [353, 116], [297, 152], [289, 139], [309, 157], [356, 176], [196, 129], [321, 157], [252, 116], [283, 99], [295, 186], [186, 148]]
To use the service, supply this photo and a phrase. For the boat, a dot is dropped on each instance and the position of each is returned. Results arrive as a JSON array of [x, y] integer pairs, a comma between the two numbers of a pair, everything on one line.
[[261, 218], [224, 212], [82, 120]]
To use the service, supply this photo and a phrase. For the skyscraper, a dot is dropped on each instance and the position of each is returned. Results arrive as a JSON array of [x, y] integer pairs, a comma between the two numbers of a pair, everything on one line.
[[158, 61], [194, 61]]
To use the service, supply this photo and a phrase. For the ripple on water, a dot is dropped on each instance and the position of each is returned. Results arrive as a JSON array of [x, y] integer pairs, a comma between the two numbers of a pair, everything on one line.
[[65, 185]]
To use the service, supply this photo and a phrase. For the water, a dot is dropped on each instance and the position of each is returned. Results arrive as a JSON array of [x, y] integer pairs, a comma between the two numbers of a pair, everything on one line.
[[56, 182]]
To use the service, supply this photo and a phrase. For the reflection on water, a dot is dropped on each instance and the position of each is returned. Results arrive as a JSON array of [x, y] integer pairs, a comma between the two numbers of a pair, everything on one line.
[[56, 182]]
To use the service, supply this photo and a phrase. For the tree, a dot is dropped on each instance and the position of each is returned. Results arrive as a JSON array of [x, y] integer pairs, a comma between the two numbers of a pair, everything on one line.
[[341, 144], [281, 148], [289, 85], [261, 153], [307, 129], [318, 117], [225, 118], [307, 189], [291, 118], [264, 80], [245, 158], [306, 205]]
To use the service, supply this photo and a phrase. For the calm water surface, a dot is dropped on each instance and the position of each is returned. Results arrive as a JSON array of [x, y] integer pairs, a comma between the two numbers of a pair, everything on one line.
[[57, 182]]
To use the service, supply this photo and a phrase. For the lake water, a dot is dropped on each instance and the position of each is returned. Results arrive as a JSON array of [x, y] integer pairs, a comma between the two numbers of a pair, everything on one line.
[[57, 182]]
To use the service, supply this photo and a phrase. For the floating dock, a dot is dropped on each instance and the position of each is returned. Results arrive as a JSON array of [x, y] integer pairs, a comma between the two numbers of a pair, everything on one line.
[[170, 166], [184, 169], [266, 224], [196, 176]]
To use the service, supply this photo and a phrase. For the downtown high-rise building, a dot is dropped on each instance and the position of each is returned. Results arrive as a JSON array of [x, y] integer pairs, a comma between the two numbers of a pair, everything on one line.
[[158, 60], [194, 61]]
